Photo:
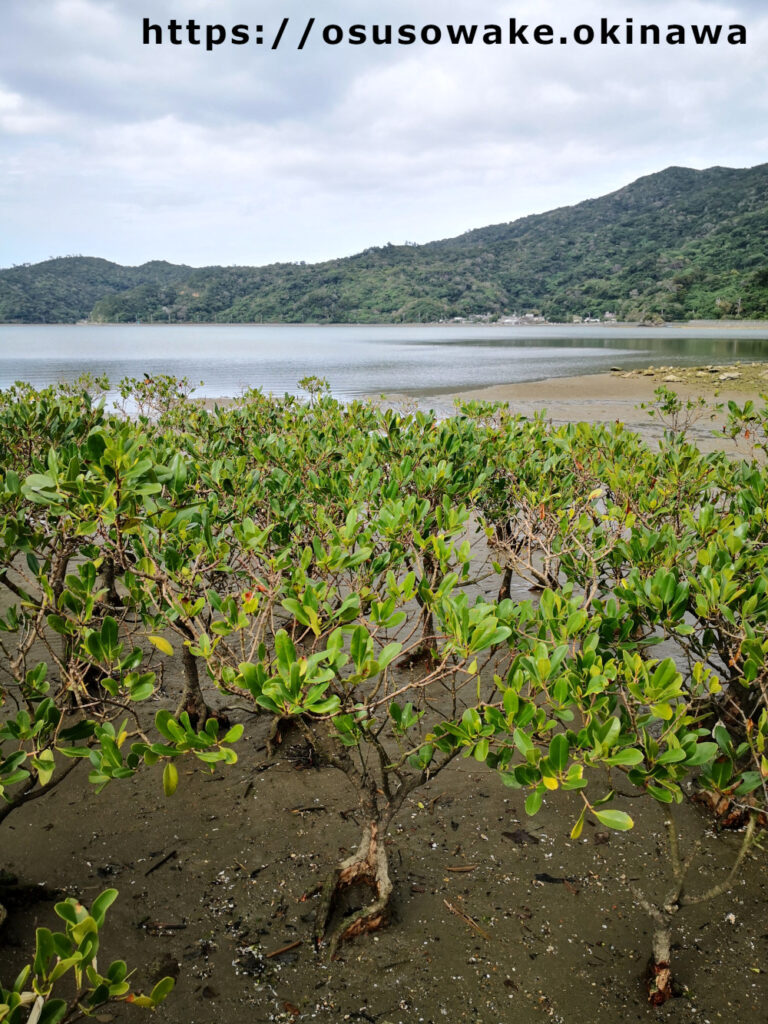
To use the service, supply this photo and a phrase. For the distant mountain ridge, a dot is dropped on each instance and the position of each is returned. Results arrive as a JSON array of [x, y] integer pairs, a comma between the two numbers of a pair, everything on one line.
[[678, 244]]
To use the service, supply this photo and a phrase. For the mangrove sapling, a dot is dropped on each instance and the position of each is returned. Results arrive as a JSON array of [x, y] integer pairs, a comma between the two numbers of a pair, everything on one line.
[[363, 718], [678, 416], [67, 960], [156, 398], [703, 587], [568, 709], [542, 501], [80, 506], [33, 742], [747, 425], [664, 912]]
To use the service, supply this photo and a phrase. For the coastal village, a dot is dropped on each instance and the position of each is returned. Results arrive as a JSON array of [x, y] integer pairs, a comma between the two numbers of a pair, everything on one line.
[[528, 319]]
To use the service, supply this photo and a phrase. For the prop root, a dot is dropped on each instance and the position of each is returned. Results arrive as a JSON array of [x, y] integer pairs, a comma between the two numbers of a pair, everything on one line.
[[368, 867]]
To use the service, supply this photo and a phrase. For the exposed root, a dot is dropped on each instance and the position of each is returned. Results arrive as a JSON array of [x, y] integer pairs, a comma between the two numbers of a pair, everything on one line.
[[367, 867], [659, 970], [659, 983]]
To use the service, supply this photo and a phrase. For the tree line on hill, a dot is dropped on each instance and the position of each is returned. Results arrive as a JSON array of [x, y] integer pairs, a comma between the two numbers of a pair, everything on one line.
[[675, 245]]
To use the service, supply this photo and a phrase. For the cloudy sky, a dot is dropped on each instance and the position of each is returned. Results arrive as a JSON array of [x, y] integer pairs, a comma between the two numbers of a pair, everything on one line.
[[249, 155]]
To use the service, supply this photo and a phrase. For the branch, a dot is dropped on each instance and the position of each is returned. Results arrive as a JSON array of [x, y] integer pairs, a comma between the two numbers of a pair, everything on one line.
[[28, 795], [725, 885]]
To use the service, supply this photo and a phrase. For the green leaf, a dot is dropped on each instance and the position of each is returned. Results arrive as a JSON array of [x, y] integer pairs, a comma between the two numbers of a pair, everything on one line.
[[534, 801], [58, 623], [626, 758], [325, 707], [702, 752], [359, 646], [481, 750], [44, 950], [559, 749], [615, 819], [661, 794], [161, 990], [45, 767], [102, 904], [12, 482], [387, 654], [576, 621], [297, 610], [522, 743], [109, 635], [54, 1011], [234, 734], [66, 911], [143, 688]]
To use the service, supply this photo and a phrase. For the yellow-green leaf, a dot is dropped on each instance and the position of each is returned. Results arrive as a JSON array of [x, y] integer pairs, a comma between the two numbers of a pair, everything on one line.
[[170, 778], [162, 645], [576, 830]]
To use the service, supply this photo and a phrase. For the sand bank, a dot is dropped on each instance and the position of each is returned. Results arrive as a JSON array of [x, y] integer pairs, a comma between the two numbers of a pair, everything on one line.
[[606, 397]]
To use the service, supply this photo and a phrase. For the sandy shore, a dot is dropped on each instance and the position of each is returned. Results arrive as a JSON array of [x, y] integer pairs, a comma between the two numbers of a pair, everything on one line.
[[599, 397], [607, 397], [618, 396]]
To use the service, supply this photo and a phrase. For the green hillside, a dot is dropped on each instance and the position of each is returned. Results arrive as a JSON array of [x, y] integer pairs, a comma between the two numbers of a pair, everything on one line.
[[678, 244], [65, 290]]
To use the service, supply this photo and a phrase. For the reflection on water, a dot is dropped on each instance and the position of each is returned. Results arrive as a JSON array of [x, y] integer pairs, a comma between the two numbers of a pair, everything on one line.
[[357, 361]]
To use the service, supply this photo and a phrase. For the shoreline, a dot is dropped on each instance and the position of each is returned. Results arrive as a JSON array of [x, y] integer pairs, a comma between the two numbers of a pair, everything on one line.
[[610, 391], [673, 325]]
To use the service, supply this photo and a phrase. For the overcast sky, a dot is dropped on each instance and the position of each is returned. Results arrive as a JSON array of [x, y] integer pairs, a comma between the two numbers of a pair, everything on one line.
[[245, 155]]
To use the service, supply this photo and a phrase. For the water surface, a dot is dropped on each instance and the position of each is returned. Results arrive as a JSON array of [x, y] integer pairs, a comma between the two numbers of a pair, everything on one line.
[[357, 361]]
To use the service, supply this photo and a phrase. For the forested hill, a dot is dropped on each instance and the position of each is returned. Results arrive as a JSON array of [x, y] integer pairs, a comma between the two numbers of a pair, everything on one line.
[[66, 290], [678, 244]]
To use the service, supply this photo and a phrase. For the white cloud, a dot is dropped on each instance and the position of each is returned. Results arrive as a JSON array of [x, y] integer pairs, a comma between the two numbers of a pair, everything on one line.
[[249, 155], [20, 116]]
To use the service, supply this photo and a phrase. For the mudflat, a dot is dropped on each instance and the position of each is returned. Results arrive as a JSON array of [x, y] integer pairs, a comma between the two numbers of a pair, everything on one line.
[[603, 397], [498, 916]]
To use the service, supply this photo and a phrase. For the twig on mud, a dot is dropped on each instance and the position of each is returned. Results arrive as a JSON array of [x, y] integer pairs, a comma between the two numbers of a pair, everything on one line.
[[463, 868], [160, 927], [283, 949], [166, 858], [395, 963], [433, 801], [467, 920]]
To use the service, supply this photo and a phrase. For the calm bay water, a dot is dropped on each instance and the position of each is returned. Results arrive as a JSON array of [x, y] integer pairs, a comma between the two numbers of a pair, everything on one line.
[[357, 361]]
